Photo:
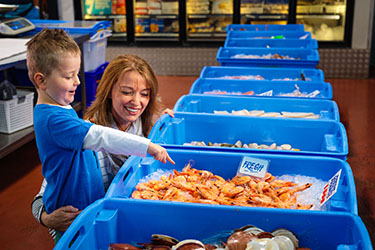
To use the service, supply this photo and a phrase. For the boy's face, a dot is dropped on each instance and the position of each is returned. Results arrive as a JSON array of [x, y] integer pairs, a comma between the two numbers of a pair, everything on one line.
[[130, 97], [62, 83]]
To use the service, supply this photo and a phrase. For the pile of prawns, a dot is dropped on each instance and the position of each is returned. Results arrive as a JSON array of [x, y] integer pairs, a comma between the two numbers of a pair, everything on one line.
[[201, 186]]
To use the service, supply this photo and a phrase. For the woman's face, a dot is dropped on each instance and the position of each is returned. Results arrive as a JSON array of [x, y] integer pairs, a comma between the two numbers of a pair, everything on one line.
[[130, 97]]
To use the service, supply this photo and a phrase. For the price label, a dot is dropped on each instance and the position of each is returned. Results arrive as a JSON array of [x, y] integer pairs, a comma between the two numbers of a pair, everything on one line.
[[330, 188]]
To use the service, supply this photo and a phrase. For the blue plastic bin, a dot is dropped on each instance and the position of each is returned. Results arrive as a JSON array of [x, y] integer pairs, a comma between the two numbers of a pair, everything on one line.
[[207, 104], [225, 164], [265, 27], [309, 58], [312, 138], [267, 73], [92, 79], [203, 85], [271, 43], [269, 34], [134, 221]]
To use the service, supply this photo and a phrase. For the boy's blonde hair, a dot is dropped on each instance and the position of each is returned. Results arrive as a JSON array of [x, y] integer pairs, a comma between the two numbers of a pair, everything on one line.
[[45, 50], [100, 111]]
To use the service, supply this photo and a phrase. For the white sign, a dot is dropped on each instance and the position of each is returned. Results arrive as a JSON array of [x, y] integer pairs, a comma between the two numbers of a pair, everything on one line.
[[253, 166], [268, 93]]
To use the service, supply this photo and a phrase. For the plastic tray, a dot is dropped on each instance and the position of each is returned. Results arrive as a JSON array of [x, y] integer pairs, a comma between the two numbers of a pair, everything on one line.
[[267, 73], [309, 58], [271, 43], [327, 109], [265, 27], [73, 27], [225, 164], [134, 221], [312, 138], [202, 85], [269, 34]]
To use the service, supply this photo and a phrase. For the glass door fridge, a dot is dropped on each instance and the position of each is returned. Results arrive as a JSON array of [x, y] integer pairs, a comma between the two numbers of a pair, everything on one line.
[[114, 11], [325, 19], [156, 20], [264, 11], [207, 19]]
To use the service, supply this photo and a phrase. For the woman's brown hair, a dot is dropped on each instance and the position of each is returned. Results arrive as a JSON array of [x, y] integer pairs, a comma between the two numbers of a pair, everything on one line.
[[100, 111]]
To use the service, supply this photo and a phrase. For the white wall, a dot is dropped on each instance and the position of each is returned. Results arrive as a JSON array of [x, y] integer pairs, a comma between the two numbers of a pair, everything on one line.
[[362, 24]]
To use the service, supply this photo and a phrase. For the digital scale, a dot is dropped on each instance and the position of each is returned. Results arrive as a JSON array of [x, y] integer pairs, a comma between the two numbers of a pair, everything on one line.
[[13, 26]]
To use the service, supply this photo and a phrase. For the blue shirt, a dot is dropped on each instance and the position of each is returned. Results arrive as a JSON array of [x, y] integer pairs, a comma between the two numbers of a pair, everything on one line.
[[72, 173]]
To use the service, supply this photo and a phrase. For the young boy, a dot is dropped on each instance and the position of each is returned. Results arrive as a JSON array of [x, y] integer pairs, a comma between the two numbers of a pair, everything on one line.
[[66, 143]]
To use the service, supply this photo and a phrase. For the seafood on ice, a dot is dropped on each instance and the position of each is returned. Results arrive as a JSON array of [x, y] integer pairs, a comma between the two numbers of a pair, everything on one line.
[[294, 93], [201, 186], [261, 113], [239, 144], [267, 56]]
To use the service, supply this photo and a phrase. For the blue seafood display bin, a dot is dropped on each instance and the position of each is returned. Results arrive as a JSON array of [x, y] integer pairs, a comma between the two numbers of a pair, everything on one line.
[[279, 88], [263, 73], [196, 103], [271, 43], [134, 221], [265, 27], [312, 138], [303, 58], [277, 34], [225, 164]]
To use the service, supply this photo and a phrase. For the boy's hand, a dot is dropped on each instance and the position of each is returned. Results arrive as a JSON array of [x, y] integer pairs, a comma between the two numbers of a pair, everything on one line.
[[159, 153], [60, 219]]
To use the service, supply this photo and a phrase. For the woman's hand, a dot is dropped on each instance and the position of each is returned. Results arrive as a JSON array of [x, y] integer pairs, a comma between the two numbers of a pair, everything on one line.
[[169, 112], [60, 219], [159, 153]]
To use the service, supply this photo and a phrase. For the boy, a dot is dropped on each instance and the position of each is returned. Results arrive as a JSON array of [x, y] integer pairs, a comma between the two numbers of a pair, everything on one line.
[[66, 142]]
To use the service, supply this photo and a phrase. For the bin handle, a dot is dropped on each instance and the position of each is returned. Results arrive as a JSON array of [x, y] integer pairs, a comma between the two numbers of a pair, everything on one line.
[[100, 35]]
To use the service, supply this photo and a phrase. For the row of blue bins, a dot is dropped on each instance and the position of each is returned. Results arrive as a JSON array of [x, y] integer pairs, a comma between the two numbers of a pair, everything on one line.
[[244, 102]]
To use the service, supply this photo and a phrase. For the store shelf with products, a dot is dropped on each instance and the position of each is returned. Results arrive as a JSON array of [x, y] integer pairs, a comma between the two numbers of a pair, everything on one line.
[[208, 19], [189, 21], [113, 11]]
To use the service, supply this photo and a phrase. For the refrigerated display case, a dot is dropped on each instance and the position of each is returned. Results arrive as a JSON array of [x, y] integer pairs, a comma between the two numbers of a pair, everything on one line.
[[325, 19], [208, 19], [156, 20], [114, 11], [189, 21], [264, 11]]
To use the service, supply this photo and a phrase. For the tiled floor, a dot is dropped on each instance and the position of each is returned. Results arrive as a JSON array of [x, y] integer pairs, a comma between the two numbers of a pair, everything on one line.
[[21, 171]]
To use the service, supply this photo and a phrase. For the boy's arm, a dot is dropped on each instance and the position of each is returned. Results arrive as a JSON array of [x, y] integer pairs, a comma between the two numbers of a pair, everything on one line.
[[100, 138]]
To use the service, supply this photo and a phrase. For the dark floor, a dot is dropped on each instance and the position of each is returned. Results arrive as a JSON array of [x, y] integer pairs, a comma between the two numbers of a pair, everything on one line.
[[21, 171]]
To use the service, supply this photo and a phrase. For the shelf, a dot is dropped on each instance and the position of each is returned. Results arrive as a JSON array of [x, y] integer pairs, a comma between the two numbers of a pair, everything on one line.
[[202, 16], [319, 16], [266, 16], [166, 16], [103, 17], [119, 35], [11, 142]]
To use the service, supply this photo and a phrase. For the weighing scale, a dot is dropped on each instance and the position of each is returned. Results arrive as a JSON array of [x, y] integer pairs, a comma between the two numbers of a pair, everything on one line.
[[13, 26]]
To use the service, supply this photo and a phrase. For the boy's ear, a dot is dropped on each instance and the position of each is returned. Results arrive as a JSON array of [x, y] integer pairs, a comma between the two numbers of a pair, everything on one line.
[[40, 80]]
